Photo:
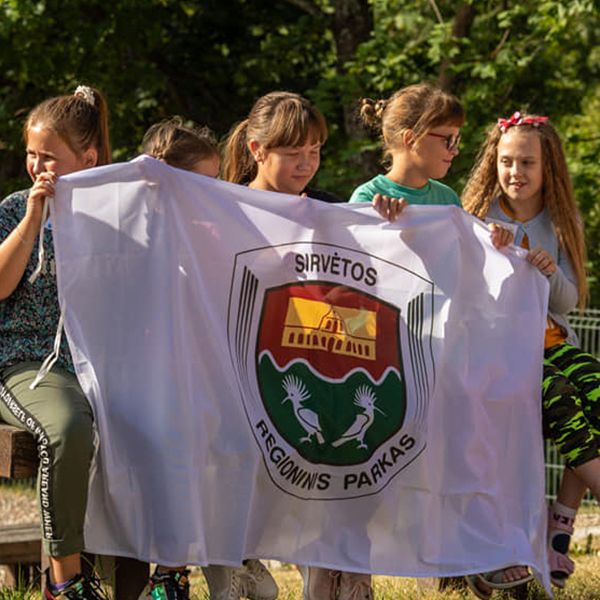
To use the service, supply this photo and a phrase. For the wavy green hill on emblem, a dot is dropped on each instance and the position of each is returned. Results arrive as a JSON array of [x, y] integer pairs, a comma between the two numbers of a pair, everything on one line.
[[335, 423]]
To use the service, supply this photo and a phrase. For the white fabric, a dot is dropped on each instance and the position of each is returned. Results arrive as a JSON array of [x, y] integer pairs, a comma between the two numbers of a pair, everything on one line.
[[151, 269]]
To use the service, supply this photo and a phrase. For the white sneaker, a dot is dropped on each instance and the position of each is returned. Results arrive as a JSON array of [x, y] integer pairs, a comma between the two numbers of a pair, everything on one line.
[[225, 583], [320, 583], [260, 584], [355, 586]]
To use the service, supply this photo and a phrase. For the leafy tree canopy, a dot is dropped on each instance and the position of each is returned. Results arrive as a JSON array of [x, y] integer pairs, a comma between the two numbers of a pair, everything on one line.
[[210, 60]]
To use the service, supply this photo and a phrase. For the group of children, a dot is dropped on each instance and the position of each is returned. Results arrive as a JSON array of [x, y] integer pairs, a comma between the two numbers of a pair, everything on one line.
[[520, 179]]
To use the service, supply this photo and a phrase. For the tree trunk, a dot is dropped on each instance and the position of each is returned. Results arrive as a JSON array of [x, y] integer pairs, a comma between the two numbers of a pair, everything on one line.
[[461, 27], [352, 24]]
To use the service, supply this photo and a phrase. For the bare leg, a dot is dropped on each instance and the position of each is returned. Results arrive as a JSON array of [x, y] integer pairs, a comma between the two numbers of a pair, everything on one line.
[[63, 568], [572, 489], [589, 475], [561, 521]]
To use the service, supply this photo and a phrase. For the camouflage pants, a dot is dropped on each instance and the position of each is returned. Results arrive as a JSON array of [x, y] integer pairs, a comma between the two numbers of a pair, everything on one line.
[[571, 403]]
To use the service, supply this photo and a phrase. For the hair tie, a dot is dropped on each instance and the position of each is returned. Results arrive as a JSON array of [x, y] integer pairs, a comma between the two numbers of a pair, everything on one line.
[[376, 106], [380, 107], [85, 93], [367, 102], [517, 119]]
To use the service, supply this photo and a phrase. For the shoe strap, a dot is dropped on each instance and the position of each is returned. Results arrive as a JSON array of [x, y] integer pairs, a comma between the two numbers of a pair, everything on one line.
[[558, 521]]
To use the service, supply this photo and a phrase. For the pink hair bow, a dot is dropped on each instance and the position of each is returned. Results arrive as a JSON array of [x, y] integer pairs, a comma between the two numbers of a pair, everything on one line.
[[518, 119]]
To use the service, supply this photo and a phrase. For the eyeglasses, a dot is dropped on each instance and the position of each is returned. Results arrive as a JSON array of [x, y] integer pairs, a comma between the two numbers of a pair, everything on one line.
[[452, 141]]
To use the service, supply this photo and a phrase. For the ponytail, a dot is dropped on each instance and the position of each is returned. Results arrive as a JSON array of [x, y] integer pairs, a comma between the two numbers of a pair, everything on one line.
[[371, 112], [239, 165], [79, 119]]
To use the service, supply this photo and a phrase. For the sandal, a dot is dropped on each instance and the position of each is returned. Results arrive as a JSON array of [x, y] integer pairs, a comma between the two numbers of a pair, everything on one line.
[[495, 579], [480, 589], [561, 566]]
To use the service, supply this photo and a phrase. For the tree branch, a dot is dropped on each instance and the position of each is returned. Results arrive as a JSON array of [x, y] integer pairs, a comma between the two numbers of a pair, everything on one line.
[[308, 6], [500, 44], [437, 12]]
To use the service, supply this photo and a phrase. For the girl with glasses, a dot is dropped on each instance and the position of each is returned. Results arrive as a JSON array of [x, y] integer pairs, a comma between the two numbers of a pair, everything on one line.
[[420, 129]]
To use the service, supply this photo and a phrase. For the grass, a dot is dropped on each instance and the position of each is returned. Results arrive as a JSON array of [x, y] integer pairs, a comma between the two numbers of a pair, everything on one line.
[[584, 585]]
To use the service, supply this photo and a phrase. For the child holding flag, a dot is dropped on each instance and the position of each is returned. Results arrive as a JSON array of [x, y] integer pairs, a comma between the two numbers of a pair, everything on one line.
[[278, 148], [63, 135], [521, 178]]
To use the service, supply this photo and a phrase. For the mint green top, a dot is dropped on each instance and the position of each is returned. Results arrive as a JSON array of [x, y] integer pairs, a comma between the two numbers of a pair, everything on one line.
[[433, 192]]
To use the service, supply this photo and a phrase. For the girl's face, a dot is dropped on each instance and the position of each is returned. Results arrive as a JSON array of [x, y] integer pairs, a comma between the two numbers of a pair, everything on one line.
[[519, 164], [46, 151], [286, 169], [434, 152]]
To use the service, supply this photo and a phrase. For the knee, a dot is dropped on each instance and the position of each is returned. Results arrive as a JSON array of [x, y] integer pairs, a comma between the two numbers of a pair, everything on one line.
[[74, 432]]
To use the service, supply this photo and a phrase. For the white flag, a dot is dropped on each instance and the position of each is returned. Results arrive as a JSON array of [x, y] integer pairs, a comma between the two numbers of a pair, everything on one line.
[[277, 377]]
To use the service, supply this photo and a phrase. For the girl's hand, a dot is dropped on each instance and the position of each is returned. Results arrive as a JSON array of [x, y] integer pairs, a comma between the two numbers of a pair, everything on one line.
[[389, 208], [542, 260], [499, 236], [43, 187]]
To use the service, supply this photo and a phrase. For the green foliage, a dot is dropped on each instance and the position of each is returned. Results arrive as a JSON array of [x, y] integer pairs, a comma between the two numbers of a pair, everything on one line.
[[210, 60], [582, 145], [542, 57], [152, 58], [516, 55]]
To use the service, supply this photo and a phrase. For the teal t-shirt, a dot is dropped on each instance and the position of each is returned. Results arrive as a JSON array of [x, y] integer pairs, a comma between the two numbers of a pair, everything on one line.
[[433, 192]]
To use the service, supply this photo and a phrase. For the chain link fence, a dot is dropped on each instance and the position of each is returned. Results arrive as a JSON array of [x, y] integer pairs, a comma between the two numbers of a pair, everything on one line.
[[587, 327]]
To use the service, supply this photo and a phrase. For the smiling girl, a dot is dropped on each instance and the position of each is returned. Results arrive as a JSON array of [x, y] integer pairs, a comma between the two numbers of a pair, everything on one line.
[[521, 178], [62, 135], [278, 149], [420, 128]]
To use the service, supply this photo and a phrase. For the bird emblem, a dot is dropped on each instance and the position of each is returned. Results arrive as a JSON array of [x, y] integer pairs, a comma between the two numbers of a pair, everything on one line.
[[364, 397], [296, 393]]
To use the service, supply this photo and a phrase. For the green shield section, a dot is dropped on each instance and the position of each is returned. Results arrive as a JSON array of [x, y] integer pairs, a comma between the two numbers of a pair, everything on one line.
[[331, 423]]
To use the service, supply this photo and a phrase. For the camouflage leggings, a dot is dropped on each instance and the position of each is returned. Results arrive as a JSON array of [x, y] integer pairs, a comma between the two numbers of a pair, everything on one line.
[[571, 403]]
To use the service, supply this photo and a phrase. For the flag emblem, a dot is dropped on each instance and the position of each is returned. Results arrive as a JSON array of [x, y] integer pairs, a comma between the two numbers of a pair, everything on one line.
[[334, 370], [330, 371]]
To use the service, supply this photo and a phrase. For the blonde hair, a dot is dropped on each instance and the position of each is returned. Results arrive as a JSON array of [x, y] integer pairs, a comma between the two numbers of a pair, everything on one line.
[[419, 107], [276, 119], [179, 144], [79, 119], [557, 192]]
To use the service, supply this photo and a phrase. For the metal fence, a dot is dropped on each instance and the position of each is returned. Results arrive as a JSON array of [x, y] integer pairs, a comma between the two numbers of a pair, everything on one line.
[[587, 327]]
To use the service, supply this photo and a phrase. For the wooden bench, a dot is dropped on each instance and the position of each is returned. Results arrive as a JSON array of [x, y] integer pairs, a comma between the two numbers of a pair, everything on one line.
[[20, 545], [20, 552]]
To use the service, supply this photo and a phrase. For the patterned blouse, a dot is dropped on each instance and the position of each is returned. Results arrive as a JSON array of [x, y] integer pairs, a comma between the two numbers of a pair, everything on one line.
[[29, 316]]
